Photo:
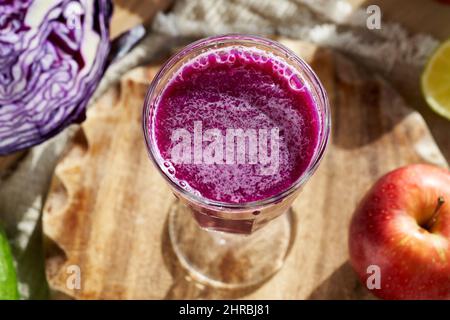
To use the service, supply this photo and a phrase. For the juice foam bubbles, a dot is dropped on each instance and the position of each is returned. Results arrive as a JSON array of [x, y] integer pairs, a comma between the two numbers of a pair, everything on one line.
[[246, 89]]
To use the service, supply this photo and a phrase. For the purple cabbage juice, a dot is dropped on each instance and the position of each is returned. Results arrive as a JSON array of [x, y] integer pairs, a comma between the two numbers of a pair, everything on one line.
[[236, 125]]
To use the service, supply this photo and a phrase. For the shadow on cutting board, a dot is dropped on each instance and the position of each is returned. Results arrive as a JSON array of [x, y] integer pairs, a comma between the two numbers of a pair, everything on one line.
[[342, 284], [363, 106], [184, 287]]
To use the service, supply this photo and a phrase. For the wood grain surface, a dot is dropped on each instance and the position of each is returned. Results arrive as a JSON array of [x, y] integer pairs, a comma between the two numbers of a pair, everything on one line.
[[129, 13], [107, 208], [424, 16], [7, 162]]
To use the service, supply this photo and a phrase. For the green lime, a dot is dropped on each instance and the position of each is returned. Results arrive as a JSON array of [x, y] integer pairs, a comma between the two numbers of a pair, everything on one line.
[[8, 278]]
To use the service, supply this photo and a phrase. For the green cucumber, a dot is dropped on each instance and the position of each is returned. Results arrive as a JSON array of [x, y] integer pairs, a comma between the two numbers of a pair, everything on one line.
[[8, 278]]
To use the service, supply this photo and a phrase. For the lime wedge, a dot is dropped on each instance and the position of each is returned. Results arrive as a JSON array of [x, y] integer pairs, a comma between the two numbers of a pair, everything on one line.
[[436, 81], [8, 279]]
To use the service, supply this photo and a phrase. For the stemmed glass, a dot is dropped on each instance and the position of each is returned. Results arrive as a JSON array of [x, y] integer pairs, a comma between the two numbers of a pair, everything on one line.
[[222, 244]]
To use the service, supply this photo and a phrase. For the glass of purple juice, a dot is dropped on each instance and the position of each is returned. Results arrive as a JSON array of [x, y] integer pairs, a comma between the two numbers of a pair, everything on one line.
[[236, 124]]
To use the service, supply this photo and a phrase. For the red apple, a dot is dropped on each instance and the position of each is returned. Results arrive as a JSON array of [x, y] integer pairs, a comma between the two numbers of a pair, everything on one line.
[[402, 227]]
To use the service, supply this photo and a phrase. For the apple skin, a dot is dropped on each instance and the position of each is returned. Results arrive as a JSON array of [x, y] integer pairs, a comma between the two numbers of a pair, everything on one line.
[[386, 231]]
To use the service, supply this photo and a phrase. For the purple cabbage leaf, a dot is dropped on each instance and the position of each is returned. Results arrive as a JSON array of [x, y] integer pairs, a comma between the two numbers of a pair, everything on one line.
[[52, 56]]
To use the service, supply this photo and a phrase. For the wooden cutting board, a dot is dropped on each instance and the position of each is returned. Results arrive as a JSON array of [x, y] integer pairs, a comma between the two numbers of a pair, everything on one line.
[[107, 208]]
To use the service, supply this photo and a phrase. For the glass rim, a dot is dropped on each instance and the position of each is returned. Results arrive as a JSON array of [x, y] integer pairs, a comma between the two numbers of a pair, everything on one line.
[[325, 126]]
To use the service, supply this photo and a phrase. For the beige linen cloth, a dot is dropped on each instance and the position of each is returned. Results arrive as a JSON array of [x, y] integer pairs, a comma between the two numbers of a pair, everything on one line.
[[327, 22]]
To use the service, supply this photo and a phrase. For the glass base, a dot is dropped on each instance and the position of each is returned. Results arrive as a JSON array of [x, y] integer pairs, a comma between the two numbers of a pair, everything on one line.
[[227, 260]]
